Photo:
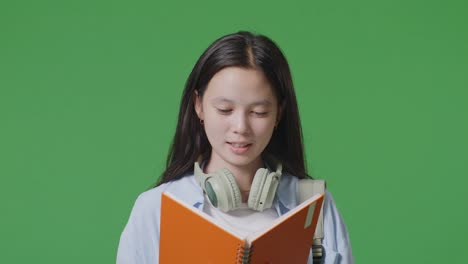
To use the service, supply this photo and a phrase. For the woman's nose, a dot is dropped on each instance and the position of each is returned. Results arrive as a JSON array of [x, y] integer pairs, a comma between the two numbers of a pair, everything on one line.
[[241, 124]]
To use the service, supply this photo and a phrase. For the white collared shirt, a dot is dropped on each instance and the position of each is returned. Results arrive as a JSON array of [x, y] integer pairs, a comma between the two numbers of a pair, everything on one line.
[[139, 242]]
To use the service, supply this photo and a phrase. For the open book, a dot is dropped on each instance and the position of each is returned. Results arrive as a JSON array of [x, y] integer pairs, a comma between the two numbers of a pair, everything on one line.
[[188, 235]]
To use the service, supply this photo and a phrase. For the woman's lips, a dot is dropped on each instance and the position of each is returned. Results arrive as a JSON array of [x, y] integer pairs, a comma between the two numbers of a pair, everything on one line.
[[239, 148]]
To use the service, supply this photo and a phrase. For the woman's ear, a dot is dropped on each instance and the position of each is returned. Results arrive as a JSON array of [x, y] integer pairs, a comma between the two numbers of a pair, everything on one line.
[[198, 104], [280, 113]]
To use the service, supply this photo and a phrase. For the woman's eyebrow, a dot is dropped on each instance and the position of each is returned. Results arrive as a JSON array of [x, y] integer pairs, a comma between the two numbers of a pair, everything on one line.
[[220, 99]]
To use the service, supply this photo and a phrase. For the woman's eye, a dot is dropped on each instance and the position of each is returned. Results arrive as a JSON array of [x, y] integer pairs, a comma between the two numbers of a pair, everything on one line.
[[260, 113], [224, 111]]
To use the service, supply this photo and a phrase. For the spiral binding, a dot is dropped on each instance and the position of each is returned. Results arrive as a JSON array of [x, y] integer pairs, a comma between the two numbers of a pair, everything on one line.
[[317, 253], [244, 254]]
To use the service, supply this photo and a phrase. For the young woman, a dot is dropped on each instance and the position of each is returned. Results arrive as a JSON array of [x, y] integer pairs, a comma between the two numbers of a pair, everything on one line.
[[238, 115]]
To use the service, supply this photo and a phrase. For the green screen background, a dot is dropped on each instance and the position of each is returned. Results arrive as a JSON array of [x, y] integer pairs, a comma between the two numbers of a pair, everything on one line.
[[89, 94]]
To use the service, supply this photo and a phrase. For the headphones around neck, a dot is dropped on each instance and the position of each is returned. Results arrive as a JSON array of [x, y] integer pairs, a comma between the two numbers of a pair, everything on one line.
[[222, 190]]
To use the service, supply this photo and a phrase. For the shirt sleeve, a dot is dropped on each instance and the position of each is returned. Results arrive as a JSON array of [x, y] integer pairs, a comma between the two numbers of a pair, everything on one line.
[[336, 241], [139, 242]]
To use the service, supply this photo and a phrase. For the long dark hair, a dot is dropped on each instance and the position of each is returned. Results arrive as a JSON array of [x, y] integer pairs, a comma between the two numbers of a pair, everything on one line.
[[246, 50]]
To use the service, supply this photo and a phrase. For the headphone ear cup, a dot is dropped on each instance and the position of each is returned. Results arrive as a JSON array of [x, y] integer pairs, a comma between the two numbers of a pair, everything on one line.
[[269, 190], [226, 192], [256, 189]]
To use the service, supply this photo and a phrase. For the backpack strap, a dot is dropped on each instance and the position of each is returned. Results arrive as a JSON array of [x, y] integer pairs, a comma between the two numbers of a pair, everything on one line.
[[306, 189]]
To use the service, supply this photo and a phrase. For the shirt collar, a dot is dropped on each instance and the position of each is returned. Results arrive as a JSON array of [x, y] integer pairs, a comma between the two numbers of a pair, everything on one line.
[[286, 193], [191, 193]]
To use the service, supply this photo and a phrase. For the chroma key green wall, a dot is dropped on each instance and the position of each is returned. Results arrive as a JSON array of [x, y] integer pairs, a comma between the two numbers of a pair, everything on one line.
[[89, 94]]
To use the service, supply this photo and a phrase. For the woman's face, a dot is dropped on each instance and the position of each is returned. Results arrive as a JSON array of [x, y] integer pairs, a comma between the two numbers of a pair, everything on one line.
[[240, 112]]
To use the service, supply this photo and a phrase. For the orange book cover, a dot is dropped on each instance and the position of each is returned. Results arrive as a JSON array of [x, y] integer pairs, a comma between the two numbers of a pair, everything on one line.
[[188, 235]]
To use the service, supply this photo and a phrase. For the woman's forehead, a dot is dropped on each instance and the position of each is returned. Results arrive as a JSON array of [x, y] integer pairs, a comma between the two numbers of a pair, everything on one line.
[[222, 99], [235, 84]]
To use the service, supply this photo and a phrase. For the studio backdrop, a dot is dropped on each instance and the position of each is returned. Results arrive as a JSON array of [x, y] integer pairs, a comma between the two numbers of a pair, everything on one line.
[[89, 96]]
